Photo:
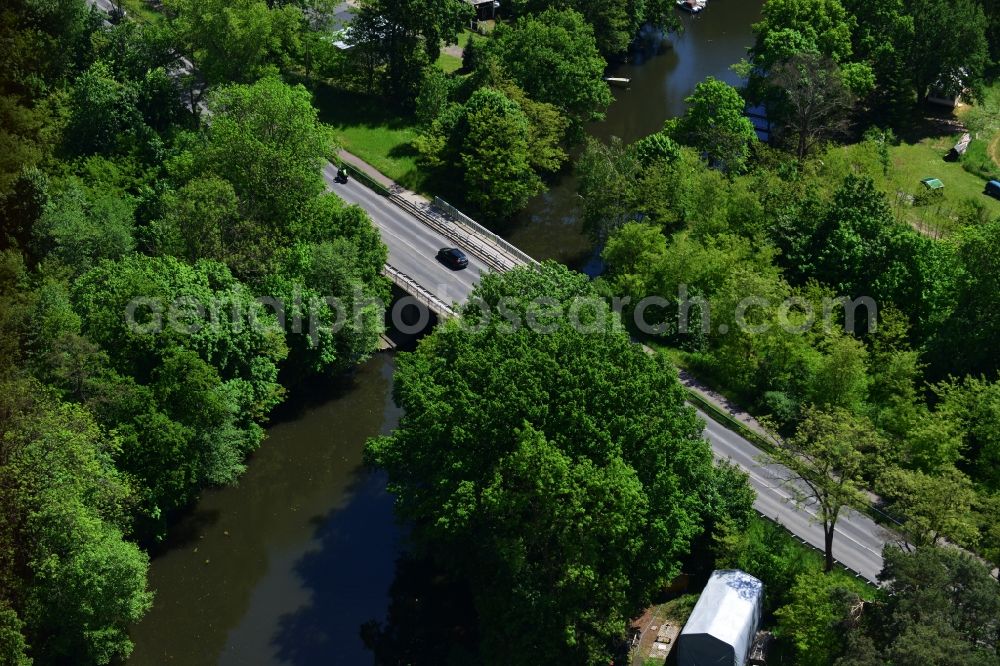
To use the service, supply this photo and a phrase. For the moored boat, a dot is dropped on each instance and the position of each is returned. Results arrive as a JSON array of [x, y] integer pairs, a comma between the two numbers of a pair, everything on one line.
[[692, 6]]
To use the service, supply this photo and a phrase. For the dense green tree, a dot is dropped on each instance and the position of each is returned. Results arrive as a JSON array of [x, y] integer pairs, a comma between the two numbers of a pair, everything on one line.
[[655, 149], [75, 582], [986, 507], [435, 94], [992, 12], [496, 156], [13, 647], [789, 27], [335, 334], [881, 37], [949, 52], [402, 37], [615, 24], [524, 463], [811, 621], [105, 116], [933, 507], [966, 341], [861, 250], [130, 49], [266, 141], [234, 40], [619, 183], [44, 44], [23, 144], [896, 371], [190, 372], [607, 181], [825, 462], [840, 379], [201, 221], [139, 308], [80, 226], [941, 608], [548, 129], [715, 125], [554, 59], [971, 409]]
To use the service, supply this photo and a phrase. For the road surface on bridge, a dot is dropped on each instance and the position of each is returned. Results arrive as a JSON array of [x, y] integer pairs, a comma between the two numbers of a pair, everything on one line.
[[412, 244]]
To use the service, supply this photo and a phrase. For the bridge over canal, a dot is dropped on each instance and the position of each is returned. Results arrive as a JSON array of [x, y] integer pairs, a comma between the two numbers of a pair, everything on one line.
[[414, 229]]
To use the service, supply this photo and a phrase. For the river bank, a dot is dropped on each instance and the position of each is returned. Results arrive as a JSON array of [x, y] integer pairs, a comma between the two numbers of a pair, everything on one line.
[[550, 226]]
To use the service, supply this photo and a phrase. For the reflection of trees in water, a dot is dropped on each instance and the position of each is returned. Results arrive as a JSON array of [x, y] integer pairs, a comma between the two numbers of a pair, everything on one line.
[[431, 619]]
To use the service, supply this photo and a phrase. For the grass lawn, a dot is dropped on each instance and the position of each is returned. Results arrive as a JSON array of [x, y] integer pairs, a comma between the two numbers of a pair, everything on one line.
[[139, 9], [450, 59], [913, 162], [909, 163], [371, 129], [448, 62], [917, 159]]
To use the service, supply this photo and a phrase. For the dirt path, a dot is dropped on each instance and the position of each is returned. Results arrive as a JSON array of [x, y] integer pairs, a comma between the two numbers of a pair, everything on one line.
[[994, 149]]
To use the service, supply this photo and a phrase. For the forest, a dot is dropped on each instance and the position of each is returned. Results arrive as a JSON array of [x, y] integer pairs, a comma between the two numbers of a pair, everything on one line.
[[113, 189], [572, 499]]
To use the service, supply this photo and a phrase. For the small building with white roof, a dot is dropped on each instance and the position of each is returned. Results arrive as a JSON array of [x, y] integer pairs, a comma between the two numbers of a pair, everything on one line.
[[723, 624]]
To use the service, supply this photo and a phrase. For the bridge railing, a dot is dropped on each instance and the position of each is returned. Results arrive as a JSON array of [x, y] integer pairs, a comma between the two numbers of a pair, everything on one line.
[[456, 226], [479, 230], [457, 234], [418, 292]]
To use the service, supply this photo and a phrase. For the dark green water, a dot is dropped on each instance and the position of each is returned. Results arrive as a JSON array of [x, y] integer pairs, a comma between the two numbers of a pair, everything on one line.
[[286, 566]]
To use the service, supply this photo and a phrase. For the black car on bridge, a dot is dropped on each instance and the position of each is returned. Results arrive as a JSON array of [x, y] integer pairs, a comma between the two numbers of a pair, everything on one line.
[[453, 258]]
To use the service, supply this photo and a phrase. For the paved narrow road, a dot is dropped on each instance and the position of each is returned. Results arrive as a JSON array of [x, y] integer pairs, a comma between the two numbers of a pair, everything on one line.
[[858, 541]]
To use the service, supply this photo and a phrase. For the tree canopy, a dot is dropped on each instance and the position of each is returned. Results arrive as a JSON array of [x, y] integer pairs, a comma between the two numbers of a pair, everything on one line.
[[70, 584], [714, 124], [942, 607], [526, 457], [553, 57]]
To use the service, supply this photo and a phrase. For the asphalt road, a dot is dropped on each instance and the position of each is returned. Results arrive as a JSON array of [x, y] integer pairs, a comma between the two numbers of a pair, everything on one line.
[[858, 541], [412, 244]]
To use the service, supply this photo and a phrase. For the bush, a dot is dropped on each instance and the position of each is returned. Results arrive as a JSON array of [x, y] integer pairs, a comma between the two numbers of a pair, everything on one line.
[[927, 197]]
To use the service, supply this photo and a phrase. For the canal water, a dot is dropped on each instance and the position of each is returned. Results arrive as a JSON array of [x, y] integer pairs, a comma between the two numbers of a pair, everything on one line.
[[286, 566], [283, 568]]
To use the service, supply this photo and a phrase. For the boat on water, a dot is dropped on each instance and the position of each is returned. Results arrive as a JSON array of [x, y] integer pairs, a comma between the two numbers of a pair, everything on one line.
[[692, 6]]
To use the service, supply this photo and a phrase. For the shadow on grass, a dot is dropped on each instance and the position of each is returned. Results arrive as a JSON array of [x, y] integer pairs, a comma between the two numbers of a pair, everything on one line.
[[404, 150], [344, 108], [929, 121]]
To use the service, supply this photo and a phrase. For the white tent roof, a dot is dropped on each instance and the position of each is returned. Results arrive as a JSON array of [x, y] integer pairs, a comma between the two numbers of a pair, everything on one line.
[[724, 621]]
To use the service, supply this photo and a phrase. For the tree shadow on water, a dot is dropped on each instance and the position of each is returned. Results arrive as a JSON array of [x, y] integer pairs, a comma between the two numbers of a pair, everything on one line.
[[431, 619], [348, 576]]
